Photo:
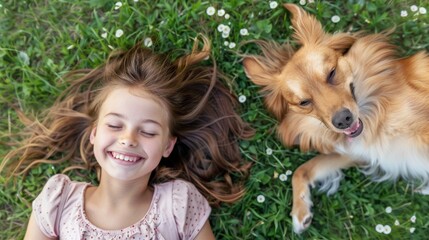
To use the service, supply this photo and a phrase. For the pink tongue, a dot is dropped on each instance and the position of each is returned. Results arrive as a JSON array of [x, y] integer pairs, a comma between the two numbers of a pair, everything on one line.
[[352, 129]]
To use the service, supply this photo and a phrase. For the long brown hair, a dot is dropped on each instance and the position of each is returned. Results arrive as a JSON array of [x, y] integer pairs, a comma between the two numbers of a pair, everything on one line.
[[202, 111]]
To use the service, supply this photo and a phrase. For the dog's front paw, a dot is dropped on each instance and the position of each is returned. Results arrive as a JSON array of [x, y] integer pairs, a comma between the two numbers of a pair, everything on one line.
[[301, 216]]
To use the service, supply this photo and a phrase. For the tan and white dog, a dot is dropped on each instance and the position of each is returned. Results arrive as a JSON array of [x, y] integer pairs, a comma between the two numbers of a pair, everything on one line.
[[349, 97]]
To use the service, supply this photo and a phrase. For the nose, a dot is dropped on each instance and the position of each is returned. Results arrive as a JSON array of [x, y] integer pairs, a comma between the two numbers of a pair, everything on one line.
[[128, 140], [342, 119]]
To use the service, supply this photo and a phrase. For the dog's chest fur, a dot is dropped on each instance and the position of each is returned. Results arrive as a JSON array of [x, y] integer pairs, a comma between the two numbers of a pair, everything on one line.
[[388, 158]]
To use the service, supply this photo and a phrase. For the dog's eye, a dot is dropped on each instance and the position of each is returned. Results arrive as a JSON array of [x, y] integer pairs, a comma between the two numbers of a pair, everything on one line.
[[305, 102], [331, 76]]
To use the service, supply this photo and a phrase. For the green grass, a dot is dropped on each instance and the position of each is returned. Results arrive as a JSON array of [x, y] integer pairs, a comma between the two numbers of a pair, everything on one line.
[[41, 40]]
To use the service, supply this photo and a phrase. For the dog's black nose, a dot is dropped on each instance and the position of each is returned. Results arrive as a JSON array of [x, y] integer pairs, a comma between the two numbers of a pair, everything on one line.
[[342, 119]]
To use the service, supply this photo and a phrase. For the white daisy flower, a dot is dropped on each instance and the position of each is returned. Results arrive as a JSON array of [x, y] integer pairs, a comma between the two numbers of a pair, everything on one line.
[[404, 13], [412, 229], [260, 198], [335, 19], [283, 177], [273, 4], [226, 43], [227, 16], [269, 151], [413, 219], [104, 35], [221, 27], [210, 11], [396, 223], [147, 42], [244, 32], [288, 172], [387, 229], [388, 210], [422, 10], [119, 33], [220, 12], [232, 45], [379, 228], [414, 8], [225, 34], [242, 98], [118, 5], [302, 2], [226, 29]]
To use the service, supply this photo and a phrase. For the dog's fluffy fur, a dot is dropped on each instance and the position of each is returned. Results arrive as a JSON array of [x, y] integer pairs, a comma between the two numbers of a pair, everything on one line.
[[351, 98]]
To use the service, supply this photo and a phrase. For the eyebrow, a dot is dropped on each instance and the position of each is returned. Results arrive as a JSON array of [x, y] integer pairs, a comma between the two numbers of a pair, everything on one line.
[[123, 117]]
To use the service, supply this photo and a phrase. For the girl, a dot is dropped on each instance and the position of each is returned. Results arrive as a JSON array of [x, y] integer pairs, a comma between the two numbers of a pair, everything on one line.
[[162, 134]]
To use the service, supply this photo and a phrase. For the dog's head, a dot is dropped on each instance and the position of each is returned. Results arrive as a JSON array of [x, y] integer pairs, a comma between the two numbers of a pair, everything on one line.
[[316, 80]]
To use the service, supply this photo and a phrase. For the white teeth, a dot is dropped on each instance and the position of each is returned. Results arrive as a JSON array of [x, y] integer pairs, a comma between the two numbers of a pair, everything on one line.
[[124, 157]]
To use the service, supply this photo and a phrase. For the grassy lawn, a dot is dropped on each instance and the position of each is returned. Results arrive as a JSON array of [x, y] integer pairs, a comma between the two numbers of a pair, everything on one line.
[[42, 40]]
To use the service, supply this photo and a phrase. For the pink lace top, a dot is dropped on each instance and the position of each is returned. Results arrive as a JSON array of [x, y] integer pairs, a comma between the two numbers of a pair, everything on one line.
[[177, 211]]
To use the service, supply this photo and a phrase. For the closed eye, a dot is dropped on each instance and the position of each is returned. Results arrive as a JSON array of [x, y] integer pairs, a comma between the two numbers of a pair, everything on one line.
[[305, 102], [148, 134], [115, 127], [331, 76]]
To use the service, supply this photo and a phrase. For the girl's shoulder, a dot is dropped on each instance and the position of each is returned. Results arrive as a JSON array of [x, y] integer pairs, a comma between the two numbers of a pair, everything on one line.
[[188, 207], [58, 195]]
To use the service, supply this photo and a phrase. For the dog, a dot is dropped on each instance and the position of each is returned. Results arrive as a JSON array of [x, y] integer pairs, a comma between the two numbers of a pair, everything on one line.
[[349, 97]]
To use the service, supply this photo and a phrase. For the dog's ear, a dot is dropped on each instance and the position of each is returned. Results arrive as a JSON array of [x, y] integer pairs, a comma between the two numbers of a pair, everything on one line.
[[341, 42], [255, 71], [307, 29], [274, 100]]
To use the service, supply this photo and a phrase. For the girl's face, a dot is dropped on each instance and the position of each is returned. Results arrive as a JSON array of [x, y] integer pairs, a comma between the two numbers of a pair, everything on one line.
[[131, 135]]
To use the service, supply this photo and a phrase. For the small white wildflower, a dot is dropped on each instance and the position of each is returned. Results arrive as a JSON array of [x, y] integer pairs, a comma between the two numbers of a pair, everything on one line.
[[413, 219], [412, 229], [220, 12], [136, 0], [226, 29], [276, 175], [269, 151], [148, 42], [414, 8], [221, 27], [310, 1], [379, 228], [404, 13], [387, 229], [242, 98], [388, 210], [283, 177], [396, 223], [302, 2], [104, 35], [226, 43], [244, 32], [210, 11], [288, 172], [119, 33], [70, 47], [273, 4], [260, 198], [422, 10], [227, 16], [118, 5], [225, 35], [335, 19], [232, 45]]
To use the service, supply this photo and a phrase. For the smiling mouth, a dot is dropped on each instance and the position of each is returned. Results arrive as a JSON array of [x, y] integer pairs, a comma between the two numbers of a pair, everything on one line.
[[355, 130], [125, 157]]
